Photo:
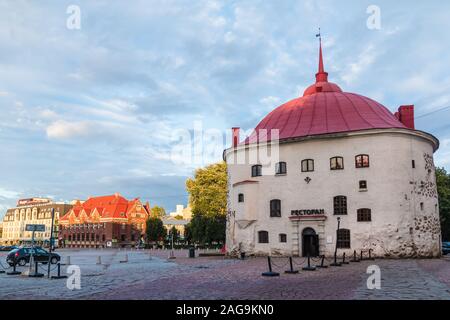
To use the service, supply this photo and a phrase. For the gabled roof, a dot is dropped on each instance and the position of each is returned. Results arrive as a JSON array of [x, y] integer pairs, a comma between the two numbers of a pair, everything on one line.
[[113, 207]]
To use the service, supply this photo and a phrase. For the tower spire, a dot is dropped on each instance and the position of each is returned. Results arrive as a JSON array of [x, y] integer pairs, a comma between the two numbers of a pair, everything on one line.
[[321, 75]]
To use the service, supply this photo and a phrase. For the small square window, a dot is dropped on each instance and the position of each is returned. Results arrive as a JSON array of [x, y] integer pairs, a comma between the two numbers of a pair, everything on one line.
[[240, 197], [363, 184], [283, 237]]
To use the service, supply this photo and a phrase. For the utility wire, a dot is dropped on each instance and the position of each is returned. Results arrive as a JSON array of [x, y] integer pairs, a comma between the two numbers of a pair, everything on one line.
[[431, 112]]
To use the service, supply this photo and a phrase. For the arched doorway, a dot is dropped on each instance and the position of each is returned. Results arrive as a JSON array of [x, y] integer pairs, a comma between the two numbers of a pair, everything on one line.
[[310, 243]]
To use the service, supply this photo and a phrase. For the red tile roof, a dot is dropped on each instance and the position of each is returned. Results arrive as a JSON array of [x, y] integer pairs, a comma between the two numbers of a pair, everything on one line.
[[324, 108], [113, 206]]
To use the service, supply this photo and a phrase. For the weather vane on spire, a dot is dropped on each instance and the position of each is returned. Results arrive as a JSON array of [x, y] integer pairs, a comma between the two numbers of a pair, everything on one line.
[[319, 36]]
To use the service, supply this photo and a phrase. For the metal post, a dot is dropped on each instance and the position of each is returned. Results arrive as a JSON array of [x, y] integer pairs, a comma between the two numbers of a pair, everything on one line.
[[291, 270], [335, 263], [309, 268], [59, 276], [343, 259], [361, 256], [354, 257], [36, 274], [14, 272], [370, 255], [51, 241], [270, 273], [322, 263]]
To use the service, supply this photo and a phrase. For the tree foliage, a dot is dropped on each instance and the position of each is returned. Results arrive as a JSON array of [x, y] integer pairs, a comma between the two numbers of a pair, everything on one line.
[[208, 190], [155, 230], [176, 234], [208, 199], [443, 186], [207, 229], [158, 211]]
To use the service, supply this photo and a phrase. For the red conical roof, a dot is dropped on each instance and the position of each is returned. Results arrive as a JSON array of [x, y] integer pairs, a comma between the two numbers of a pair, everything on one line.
[[324, 108]]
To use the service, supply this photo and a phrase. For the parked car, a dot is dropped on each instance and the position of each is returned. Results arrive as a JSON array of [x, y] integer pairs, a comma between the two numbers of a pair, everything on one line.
[[21, 256], [8, 248], [445, 248]]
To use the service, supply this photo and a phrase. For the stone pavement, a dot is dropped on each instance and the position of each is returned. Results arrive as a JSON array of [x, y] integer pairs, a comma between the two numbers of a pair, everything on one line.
[[149, 275]]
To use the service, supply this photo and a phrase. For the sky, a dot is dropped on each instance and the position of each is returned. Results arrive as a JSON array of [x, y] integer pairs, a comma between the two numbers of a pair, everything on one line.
[[101, 108]]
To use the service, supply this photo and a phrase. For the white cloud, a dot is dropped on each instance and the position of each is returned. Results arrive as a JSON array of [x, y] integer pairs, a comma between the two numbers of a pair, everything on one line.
[[65, 130], [365, 59]]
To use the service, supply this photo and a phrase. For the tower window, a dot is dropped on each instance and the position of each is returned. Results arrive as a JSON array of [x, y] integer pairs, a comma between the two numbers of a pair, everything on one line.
[[421, 206], [240, 197], [364, 215], [263, 237], [307, 165], [340, 205], [275, 208], [413, 164], [280, 168], [343, 238], [362, 161], [256, 170], [337, 163]]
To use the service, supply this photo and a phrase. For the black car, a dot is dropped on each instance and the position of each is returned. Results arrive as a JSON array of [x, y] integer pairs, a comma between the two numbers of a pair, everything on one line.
[[22, 256], [445, 248], [7, 248]]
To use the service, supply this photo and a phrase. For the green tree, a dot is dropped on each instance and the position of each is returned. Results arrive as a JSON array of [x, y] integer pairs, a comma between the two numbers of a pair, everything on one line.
[[155, 230], [443, 187], [176, 234], [208, 190], [158, 211], [205, 229], [208, 199]]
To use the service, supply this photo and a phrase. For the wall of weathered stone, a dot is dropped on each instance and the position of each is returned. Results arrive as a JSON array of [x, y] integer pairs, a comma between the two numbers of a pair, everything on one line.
[[403, 199]]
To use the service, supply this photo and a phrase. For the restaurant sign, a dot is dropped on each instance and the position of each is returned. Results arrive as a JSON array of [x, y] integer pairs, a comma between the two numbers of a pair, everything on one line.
[[308, 212]]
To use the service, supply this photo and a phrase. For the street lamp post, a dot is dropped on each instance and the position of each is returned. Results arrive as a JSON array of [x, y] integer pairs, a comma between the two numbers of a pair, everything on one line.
[[335, 263]]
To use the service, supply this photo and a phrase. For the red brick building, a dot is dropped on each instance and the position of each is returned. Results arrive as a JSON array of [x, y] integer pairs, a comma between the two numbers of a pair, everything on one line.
[[107, 221]]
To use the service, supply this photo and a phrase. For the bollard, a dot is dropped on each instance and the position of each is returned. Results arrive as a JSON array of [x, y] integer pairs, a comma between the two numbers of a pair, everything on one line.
[[321, 263], [335, 263], [291, 270], [361, 259], [36, 274], [343, 259], [99, 260], [59, 276], [354, 257], [270, 273], [171, 255], [14, 272], [126, 259], [309, 268], [370, 255]]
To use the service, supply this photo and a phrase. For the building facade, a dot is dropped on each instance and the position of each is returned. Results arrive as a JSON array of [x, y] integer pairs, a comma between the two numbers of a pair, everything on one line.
[[32, 211], [107, 221], [330, 171], [178, 219]]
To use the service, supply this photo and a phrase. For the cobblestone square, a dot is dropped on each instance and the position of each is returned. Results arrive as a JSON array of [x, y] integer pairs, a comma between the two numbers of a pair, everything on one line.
[[148, 274]]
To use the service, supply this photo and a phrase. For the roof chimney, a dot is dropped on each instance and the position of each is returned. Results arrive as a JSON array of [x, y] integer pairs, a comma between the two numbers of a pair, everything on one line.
[[405, 115], [235, 136]]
